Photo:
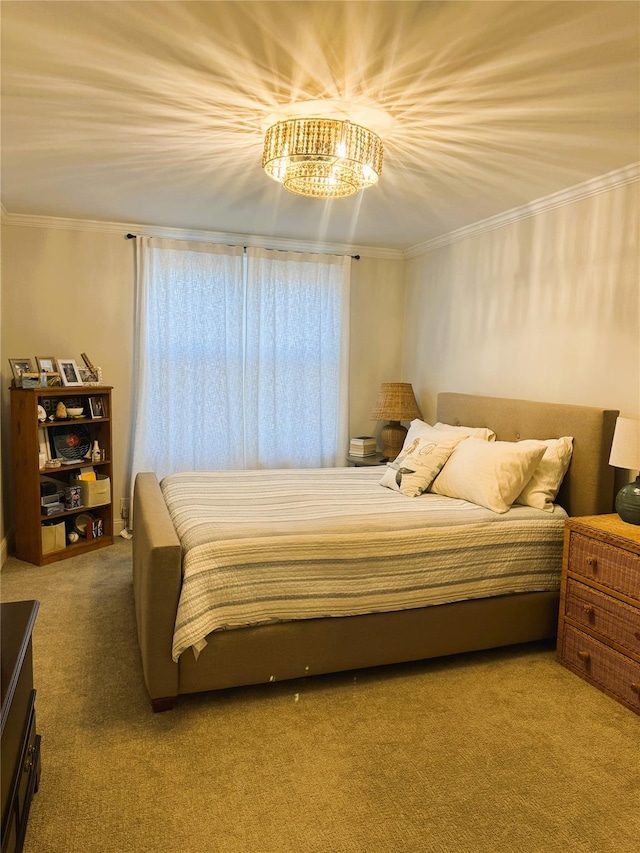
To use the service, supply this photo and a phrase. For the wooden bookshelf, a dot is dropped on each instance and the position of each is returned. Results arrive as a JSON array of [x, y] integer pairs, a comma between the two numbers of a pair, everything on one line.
[[26, 432]]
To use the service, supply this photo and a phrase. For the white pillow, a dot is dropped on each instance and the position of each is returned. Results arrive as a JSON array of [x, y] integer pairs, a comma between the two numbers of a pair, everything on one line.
[[488, 473], [541, 490], [413, 471], [421, 429], [475, 432]]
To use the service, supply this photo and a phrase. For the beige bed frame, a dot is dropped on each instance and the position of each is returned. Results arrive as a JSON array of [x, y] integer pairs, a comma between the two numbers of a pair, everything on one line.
[[293, 649]]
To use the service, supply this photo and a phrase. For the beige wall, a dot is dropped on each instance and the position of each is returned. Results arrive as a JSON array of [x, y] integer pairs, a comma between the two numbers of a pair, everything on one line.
[[377, 306], [65, 292], [545, 308]]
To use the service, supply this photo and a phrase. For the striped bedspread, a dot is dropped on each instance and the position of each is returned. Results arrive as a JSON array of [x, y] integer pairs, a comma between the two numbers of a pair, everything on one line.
[[270, 546]]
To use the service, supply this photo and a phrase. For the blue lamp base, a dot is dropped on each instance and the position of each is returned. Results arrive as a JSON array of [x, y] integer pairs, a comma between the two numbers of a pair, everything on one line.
[[628, 502]]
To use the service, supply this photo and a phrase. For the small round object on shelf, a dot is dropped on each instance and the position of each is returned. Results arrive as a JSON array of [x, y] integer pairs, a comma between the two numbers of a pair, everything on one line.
[[81, 521]]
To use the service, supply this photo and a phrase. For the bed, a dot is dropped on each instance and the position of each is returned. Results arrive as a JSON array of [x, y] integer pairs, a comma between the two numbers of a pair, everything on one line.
[[292, 648]]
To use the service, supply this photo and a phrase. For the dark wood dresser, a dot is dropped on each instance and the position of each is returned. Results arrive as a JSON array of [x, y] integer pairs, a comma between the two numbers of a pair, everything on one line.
[[20, 743], [599, 624]]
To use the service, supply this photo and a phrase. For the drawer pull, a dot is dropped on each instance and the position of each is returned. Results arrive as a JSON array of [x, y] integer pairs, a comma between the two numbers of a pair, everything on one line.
[[592, 561], [636, 687], [29, 760], [589, 608], [584, 656]]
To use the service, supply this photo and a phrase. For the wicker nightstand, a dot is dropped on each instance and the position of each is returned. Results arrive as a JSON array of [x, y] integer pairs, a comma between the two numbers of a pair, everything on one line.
[[599, 624]]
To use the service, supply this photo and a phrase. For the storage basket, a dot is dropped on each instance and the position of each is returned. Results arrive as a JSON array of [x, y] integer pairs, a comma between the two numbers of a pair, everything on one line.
[[53, 537], [94, 492]]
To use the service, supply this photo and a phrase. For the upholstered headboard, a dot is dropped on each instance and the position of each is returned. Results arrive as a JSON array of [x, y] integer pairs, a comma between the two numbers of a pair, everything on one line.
[[588, 485]]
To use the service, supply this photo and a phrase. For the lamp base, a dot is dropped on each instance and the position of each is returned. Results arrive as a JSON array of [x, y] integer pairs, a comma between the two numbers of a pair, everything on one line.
[[393, 436], [628, 502]]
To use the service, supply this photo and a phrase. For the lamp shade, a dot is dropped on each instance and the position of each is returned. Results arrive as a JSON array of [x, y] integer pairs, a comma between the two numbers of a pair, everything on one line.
[[396, 402], [625, 453], [625, 449]]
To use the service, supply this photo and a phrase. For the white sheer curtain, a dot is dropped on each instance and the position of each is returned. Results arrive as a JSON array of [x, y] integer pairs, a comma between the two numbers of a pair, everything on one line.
[[240, 363], [189, 354], [296, 366]]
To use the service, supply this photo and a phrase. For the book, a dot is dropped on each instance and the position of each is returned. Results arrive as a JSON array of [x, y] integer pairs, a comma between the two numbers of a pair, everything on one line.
[[363, 439], [87, 473], [363, 445]]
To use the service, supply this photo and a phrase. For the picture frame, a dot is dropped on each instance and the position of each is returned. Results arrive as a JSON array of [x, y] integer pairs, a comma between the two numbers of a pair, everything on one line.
[[90, 377], [68, 370], [54, 380], [70, 444], [46, 364], [95, 407], [20, 366]]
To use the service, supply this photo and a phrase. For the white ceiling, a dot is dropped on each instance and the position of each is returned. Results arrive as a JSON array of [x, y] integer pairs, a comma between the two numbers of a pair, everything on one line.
[[153, 113]]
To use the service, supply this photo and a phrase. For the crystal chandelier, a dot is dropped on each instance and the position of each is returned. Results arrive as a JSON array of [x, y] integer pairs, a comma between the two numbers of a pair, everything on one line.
[[322, 157]]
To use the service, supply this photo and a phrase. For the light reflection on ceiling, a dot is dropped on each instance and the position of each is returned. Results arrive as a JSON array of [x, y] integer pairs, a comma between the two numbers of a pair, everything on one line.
[[154, 113]]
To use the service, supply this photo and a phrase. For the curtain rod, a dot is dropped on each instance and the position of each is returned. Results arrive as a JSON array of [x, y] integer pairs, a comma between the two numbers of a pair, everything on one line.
[[353, 257]]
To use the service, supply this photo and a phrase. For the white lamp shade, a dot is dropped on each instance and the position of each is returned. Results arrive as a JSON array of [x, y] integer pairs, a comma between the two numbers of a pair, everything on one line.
[[625, 449]]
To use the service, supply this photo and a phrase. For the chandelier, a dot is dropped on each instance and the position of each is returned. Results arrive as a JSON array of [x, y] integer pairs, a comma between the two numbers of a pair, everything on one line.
[[322, 157]]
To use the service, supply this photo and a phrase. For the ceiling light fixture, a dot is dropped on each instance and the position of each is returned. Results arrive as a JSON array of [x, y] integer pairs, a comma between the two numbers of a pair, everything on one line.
[[322, 157]]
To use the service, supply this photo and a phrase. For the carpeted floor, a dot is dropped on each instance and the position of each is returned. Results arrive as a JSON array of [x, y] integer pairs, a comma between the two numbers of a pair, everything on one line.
[[495, 752]]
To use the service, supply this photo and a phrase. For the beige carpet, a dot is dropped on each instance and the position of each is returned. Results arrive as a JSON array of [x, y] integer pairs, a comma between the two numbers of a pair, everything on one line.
[[495, 752]]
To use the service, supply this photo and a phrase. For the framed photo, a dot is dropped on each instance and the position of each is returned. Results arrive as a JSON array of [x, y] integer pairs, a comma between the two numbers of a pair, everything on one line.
[[20, 366], [53, 380], [90, 377], [46, 364], [95, 407], [68, 371]]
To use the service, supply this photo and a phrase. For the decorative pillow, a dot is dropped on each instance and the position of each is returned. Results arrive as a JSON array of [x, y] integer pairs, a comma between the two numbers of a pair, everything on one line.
[[541, 490], [489, 473], [413, 471], [421, 429], [473, 432]]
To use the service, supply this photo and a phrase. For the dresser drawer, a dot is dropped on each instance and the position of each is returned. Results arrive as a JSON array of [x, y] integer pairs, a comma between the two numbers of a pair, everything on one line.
[[606, 564], [612, 619], [613, 672]]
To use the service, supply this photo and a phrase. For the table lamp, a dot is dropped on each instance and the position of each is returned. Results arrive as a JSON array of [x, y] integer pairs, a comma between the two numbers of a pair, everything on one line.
[[625, 453], [396, 402]]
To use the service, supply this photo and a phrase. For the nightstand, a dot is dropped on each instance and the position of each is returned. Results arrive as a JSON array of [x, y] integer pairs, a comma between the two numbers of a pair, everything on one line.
[[599, 620], [365, 461]]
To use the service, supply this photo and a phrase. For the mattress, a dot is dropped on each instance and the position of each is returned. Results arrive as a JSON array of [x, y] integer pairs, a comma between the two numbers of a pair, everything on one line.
[[270, 546]]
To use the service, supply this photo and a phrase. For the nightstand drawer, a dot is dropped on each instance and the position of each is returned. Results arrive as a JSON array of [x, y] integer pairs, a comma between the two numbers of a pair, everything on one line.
[[613, 672], [612, 619], [605, 564]]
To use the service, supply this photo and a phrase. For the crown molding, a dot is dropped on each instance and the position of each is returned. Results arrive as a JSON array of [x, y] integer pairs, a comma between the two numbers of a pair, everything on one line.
[[595, 186], [603, 183], [123, 228]]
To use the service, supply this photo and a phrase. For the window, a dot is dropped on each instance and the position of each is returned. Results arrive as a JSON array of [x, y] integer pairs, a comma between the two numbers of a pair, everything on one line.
[[241, 358]]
